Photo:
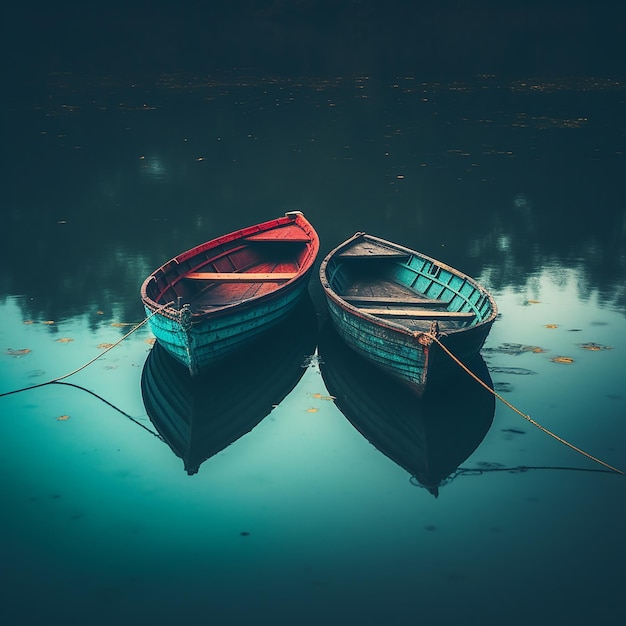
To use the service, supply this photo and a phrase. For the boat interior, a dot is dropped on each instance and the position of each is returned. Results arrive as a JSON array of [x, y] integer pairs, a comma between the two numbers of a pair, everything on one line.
[[406, 289], [234, 271]]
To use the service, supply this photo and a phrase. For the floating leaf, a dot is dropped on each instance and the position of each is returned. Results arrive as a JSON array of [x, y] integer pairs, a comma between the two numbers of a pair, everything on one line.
[[22, 352], [28, 322], [65, 340], [99, 312], [551, 326], [594, 346], [48, 322], [562, 359], [105, 345], [312, 410], [534, 349], [533, 301], [63, 418], [150, 340], [319, 396], [120, 324]]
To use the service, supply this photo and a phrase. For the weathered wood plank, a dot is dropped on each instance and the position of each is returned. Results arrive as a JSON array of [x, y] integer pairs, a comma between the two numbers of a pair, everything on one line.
[[416, 313], [242, 277], [395, 301], [371, 250]]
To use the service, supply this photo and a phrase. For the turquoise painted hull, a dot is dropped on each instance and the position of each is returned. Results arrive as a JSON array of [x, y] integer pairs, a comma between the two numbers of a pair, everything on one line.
[[389, 303], [214, 338], [401, 355]]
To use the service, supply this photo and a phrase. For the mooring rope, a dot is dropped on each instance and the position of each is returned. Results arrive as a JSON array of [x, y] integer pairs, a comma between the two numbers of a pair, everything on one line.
[[82, 367], [522, 414], [117, 408]]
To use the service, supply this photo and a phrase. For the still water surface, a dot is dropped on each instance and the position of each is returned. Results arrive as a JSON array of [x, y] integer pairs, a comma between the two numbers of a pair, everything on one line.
[[481, 519]]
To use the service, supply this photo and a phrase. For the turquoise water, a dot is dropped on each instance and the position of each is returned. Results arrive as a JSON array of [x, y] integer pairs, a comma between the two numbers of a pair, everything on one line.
[[303, 520]]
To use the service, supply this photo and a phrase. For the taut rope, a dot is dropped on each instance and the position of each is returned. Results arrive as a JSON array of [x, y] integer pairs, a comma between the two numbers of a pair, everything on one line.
[[513, 408]]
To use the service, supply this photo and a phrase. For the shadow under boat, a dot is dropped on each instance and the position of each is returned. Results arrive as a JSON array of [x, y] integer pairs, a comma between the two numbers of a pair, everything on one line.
[[200, 416], [428, 438]]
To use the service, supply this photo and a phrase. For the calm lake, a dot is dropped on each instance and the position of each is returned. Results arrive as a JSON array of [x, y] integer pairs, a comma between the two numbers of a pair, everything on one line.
[[310, 518]]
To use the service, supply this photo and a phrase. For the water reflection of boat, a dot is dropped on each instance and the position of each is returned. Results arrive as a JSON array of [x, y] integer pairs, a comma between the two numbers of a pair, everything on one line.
[[428, 438], [200, 416]]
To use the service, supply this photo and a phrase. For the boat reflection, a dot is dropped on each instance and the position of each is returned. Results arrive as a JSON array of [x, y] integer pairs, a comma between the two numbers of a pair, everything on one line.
[[428, 438], [198, 417]]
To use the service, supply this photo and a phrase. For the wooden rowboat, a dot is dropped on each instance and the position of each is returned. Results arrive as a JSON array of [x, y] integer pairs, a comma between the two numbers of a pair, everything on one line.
[[200, 416], [429, 439], [212, 300], [393, 305]]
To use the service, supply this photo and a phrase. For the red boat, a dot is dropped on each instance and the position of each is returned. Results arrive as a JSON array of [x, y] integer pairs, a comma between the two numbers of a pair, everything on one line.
[[214, 299]]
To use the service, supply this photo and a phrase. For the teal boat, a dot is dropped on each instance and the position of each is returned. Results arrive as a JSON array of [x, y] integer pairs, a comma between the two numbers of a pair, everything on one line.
[[395, 306], [211, 301]]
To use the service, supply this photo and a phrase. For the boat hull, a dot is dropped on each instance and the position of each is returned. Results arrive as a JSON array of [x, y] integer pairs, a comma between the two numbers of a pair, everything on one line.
[[213, 300], [404, 342], [213, 338]]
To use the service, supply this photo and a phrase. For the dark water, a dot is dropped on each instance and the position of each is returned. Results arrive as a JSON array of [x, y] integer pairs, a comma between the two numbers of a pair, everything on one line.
[[303, 520]]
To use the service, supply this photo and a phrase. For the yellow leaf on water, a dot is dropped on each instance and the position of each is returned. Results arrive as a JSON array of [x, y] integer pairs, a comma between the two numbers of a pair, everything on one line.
[[28, 322], [319, 396], [105, 345], [594, 346], [551, 326], [120, 324], [535, 349], [312, 410], [22, 352], [150, 340], [562, 359], [533, 301], [64, 340], [63, 418]]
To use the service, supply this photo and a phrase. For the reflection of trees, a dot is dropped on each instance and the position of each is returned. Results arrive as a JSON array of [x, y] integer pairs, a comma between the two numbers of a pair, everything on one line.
[[594, 248], [109, 181]]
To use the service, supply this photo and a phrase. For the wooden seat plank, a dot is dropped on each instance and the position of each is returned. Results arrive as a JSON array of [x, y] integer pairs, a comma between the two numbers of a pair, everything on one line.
[[416, 313], [242, 277], [399, 301]]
